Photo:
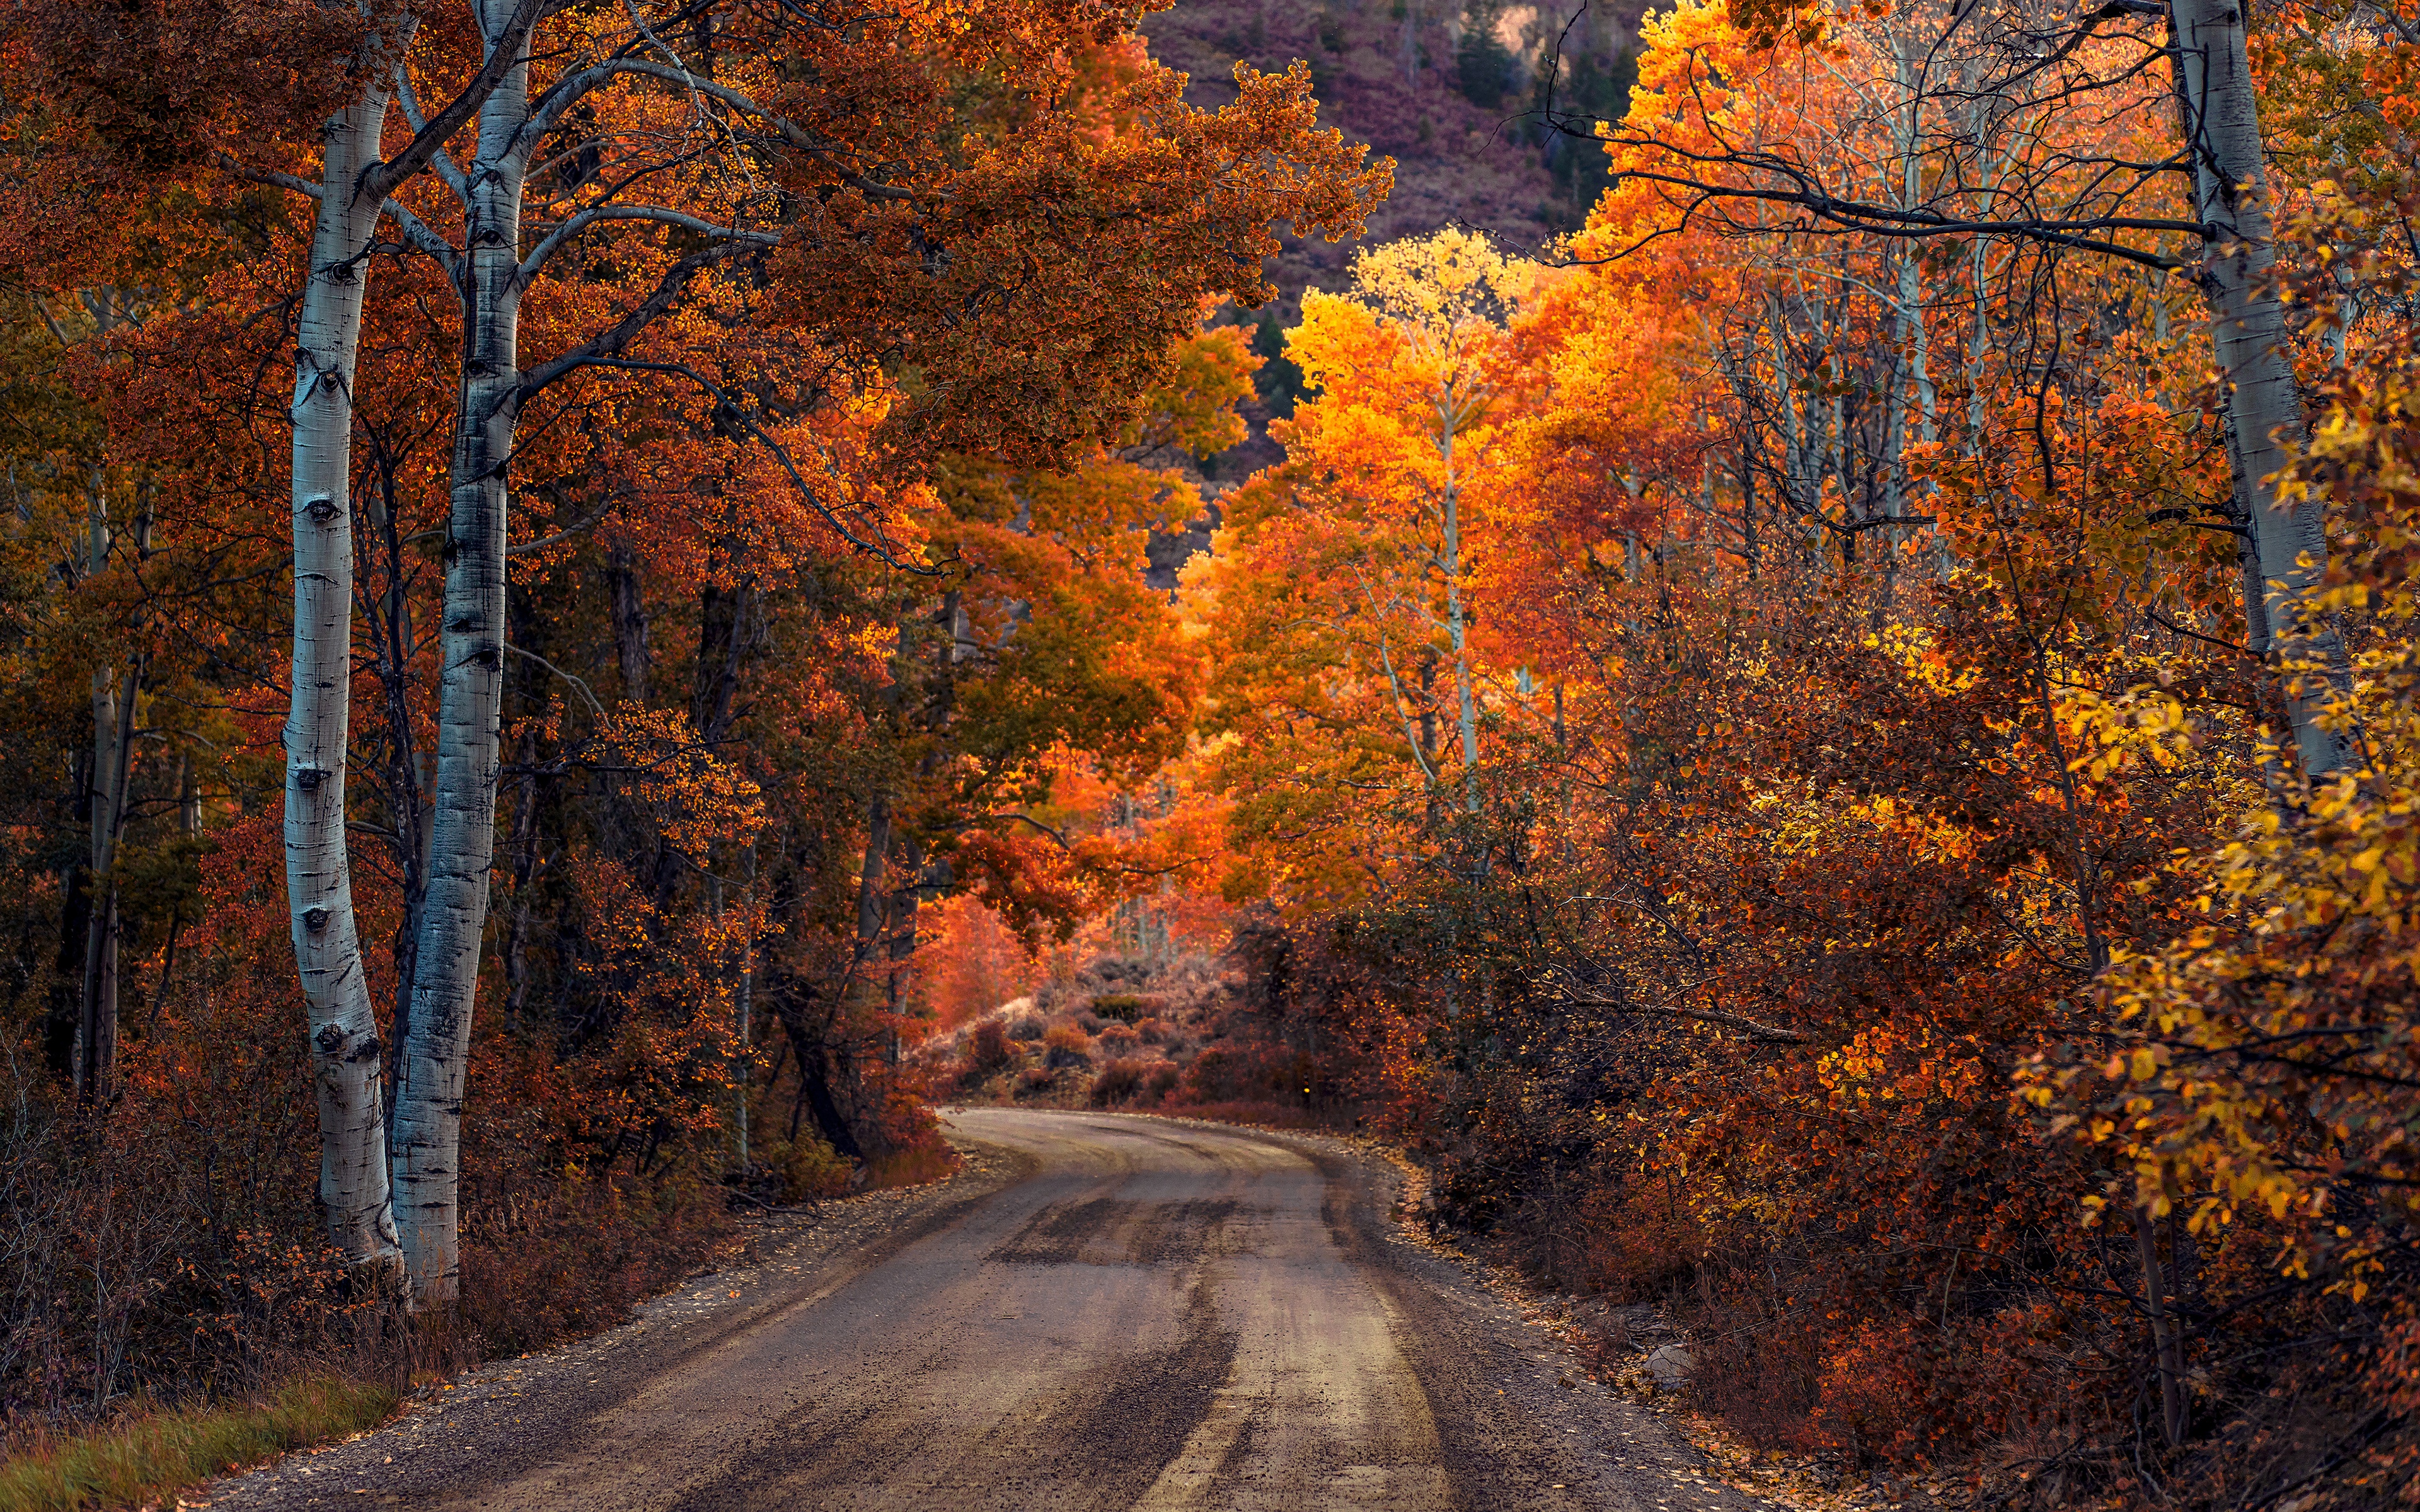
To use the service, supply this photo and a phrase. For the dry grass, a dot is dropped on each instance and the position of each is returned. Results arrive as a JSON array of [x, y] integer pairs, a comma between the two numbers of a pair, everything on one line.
[[1263, 1114], [907, 1167], [152, 1456]]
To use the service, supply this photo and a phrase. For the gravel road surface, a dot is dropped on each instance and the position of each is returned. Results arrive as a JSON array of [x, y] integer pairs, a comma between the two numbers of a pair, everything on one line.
[[1114, 1312]]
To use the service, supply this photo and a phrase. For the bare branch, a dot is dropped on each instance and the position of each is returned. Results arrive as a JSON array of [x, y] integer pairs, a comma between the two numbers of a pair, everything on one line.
[[737, 414], [505, 53], [555, 240], [595, 708]]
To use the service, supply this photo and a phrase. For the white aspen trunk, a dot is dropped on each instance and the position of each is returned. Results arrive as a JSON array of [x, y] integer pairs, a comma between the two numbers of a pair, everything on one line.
[[342, 1026], [1793, 445], [428, 1135], [1978, 342], [2247, 335], [1895, 413], [1919, 349], [1911, 277], [1835, 437], [1916, 392], [100, 927], [1919, 357], [1466, 714], [1902, 300]]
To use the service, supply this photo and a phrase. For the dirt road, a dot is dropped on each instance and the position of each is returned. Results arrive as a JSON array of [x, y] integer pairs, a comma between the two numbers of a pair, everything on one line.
[[1136, 1314]]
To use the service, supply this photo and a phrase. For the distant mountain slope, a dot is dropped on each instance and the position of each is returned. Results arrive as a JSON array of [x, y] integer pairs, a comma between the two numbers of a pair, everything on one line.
[[1441, 87]]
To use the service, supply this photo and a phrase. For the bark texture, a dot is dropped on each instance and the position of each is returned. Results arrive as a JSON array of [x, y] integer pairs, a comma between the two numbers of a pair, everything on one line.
[[454, 911], [2247, 334], [342, 1025]]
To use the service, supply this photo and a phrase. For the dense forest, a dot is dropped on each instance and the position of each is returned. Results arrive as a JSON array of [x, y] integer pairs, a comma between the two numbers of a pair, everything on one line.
[[1803, 691]]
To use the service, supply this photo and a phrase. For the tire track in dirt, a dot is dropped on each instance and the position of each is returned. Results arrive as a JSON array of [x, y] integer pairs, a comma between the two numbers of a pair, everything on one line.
[[1126, 1313]]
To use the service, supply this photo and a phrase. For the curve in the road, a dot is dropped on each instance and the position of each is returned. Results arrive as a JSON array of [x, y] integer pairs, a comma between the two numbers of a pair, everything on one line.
[[1156, 1317]]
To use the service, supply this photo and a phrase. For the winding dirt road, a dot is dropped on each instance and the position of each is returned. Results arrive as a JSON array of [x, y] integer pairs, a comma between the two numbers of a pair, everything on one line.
[[1135, 1315]]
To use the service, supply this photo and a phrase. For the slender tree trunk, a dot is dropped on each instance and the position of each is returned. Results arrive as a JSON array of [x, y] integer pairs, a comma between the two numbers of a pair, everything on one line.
[[189, 825], [189, 799], [1794, 502], [462, 836], [743, 1009], [113, 757], [343, 1027], [870, 897], [2247, 334], [815, 1091], [2167, 1344], [1978, 342], [1905, 295], [907, 901], [525, 843], [723, 632], [1467, 712], [629, 623], [1910, 272], [100, 807]]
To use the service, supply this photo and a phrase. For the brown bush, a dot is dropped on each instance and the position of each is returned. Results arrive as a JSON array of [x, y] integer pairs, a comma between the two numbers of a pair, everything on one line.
[[1126, 1006], [540, 1264], [1066, 1045], [1249, 1073], [988, 1050], [1118, 1082], [804, 1169]]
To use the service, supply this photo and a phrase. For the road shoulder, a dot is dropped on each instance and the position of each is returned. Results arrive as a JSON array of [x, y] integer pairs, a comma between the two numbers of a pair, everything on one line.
[[1521, 1418], [496, 1421]]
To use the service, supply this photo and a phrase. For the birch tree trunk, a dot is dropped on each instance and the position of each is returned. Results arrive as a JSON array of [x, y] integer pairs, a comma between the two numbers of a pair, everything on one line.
[[426, 1142], [342, 1025], [1467, 711], [98, 1002], [1978, 342], [2247, 334]]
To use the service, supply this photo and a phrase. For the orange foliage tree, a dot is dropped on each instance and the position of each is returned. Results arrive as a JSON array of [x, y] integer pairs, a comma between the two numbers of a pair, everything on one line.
[[788, 300], [1894, 921]]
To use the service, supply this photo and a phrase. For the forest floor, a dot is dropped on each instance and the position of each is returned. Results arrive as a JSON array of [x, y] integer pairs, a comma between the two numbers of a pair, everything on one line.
[[1101, 1311]]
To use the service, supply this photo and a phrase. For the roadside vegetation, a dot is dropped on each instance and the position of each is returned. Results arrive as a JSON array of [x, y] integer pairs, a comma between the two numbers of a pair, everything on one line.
[[489, 707], [156, 1454], [1833, 754], [1841, 763]]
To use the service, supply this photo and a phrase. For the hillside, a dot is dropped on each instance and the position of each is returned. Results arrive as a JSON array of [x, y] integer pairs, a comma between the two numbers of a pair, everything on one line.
[[1440, 88]]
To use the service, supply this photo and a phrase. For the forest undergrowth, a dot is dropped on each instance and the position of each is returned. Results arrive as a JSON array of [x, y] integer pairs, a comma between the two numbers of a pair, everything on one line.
[[1833, 754], [482, 747]]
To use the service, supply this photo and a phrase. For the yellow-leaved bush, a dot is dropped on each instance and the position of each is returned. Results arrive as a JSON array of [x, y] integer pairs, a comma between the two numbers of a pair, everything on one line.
[[2268, 1060]]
